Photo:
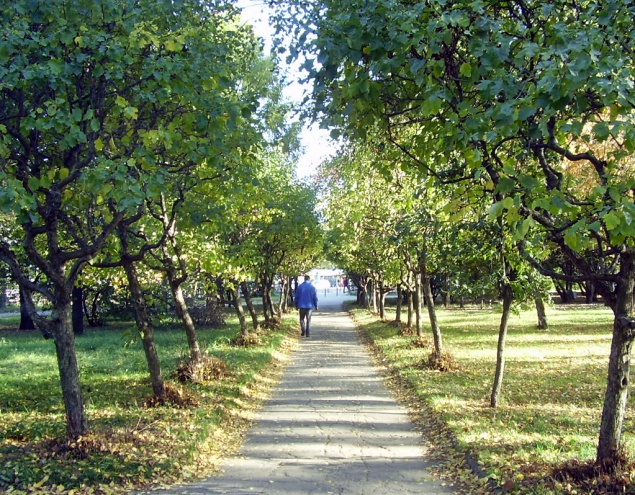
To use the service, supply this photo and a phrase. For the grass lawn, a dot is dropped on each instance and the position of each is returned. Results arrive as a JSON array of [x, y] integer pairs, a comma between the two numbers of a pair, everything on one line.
[[130, 445], [552, 391]]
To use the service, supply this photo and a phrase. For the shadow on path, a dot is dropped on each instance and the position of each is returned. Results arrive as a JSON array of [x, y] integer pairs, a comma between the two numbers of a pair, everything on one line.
[[330, 427]]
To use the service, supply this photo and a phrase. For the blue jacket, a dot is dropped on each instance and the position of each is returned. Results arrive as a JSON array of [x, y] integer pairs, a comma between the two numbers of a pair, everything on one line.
[[306, 296]]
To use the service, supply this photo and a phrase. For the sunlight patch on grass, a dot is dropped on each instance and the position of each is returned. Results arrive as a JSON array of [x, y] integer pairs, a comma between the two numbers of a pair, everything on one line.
[[552, 391], [129, 445]]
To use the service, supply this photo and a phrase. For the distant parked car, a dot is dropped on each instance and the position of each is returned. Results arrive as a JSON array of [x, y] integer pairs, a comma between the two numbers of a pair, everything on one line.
[[322, 284]]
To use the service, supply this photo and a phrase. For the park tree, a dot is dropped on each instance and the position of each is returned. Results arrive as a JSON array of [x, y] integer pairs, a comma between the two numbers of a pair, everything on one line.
[[505, 97], [360, 215], [287, 228], [96, 101]]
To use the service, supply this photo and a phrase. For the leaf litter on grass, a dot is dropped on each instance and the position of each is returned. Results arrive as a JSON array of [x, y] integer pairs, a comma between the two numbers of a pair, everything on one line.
[[134, 447], [550, 412]]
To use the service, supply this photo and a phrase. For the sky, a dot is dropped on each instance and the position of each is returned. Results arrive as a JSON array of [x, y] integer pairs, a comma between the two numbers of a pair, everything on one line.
[[315, 141]]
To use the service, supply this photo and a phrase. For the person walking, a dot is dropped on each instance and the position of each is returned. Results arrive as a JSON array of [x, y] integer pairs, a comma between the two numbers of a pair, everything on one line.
[[306, 300]]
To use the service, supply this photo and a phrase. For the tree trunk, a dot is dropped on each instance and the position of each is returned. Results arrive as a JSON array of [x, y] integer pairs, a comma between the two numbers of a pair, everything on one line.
[[286, 294], [589, 292], [446, 294], [283, 295], [26, 322], [146, 331], [616, 395], [267, 307], [177, 274], [92, 314], [374, 295], [432, 314], [381, 295], [565, 291], [3, 295], [417, 304], [250, 305], [508, 298], [238, 306], [293, 285], [399, 304], [62, 329], [410, 308], [212, 297], [362, 295], [270, 297], [78, 310], [188, 324], [541, 313]]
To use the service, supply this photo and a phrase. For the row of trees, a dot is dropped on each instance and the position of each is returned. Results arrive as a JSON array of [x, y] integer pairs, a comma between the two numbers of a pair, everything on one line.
[[427, 242], [142, 141], [520, 113]]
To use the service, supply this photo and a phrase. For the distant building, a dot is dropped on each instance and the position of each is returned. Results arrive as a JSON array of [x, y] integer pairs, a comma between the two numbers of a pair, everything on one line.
[[334, 276]]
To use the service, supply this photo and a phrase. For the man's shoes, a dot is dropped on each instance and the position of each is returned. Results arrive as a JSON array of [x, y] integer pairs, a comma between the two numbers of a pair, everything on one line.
[[301, 335]]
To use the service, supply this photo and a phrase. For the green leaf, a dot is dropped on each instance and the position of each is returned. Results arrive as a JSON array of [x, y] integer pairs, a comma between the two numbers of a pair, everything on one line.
[[495, 210], [508, 202], [601, 131], [34, 183], [611, 220], [465, 69], [572, 240], [505, 185]]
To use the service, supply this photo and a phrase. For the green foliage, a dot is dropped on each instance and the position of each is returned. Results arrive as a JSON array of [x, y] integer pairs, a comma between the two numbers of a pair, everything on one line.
[[527, 104], [109, 108], [130, 445], [102, 103], [535, 108]]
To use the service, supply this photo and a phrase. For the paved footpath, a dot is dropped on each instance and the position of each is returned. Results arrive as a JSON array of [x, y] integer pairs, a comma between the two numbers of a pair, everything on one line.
[[330, 427]]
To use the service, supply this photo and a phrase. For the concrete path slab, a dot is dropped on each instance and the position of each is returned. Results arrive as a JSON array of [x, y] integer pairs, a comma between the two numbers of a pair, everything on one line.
[[330, 427]]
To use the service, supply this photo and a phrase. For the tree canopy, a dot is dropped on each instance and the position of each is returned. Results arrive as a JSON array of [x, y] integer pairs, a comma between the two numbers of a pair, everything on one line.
[[531, 104]]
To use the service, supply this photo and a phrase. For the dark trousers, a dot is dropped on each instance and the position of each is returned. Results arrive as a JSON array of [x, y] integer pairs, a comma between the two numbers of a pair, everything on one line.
[[305, 320]]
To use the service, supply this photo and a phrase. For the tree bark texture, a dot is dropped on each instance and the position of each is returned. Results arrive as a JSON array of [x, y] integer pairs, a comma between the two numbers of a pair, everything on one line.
[[381, 296], [188, 324], [541, 313], [283, 295], [238, 306], [399, 304], [62, 329], [78, 310], [268, 315], [417, 304], [362, 293], [250, 305], [508, 299], [374, 294], [589, 293], [26, 322], [432, 314], [3, 295], [146, 331], [177, 274], [616, 395], [92, 314]]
